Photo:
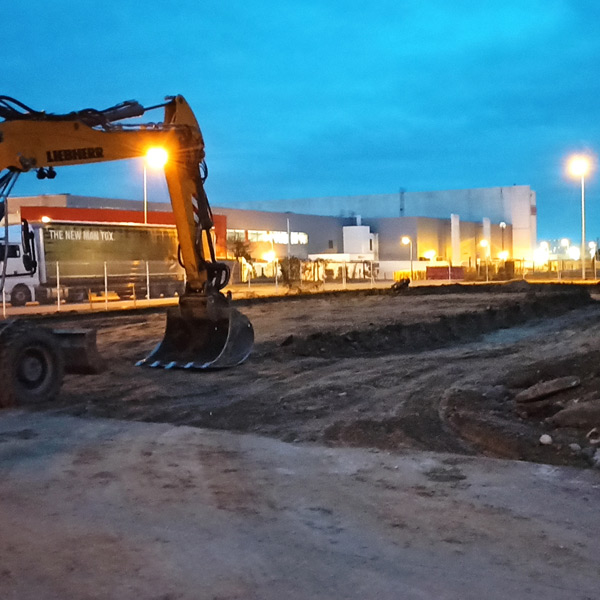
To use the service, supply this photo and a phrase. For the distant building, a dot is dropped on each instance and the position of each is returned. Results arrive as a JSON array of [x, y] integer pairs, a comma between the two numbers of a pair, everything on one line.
[[458, 227], [513, 205]]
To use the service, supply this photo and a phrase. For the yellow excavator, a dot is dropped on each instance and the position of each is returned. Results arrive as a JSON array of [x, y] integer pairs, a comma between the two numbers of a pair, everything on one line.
[[204, 331]]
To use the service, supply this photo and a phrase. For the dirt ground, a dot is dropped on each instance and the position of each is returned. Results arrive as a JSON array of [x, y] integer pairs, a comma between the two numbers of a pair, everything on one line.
[[359, 453], [430, 369], [105, 509]]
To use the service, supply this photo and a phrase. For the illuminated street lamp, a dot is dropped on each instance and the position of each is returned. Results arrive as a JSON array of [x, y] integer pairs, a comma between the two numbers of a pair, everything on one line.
[[541, 255], [408, 242], [574, 253], [579, 166], [156, 158]]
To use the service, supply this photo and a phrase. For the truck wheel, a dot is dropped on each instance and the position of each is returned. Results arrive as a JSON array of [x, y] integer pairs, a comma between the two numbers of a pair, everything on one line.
[[31, 364], [20, 295], [43, 296], [76, 295]]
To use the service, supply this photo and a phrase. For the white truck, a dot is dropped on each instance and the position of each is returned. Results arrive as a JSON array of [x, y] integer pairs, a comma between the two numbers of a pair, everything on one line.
[[74, 261]]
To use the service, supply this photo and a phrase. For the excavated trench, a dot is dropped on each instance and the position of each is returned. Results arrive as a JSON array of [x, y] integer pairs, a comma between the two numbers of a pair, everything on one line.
[[435, 332], [408, 373]]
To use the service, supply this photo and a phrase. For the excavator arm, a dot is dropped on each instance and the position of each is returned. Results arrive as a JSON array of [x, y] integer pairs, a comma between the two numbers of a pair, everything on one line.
[[204, 331], [36, 141]]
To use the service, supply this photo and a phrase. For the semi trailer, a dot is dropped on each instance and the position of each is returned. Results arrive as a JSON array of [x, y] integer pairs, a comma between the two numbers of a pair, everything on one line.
[[78, 261]]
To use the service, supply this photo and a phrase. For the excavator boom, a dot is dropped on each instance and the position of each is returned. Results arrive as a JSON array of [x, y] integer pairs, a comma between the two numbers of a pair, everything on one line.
[[204, 331]]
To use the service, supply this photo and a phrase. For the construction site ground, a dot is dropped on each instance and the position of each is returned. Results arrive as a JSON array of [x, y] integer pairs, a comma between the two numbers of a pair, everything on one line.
[[374, 445]]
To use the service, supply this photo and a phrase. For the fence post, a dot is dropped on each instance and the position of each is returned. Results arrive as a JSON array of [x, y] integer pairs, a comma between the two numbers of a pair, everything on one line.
[[344, 274], [148, 281], [57, 287], [134, 298], [3, 303], [105, 287]]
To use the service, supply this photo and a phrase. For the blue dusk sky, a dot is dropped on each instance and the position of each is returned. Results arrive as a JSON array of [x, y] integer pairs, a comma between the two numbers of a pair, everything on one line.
[[322, 98]]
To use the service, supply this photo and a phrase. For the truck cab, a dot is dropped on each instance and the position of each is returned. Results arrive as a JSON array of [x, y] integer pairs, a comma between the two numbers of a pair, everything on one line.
[[20, 283]]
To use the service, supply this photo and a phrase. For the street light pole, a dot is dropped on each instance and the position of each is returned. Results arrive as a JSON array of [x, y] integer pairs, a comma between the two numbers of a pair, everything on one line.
[[156, 158], [145, 194], [408, 241], [502, 228], [486, 247], [583, 253], [579, 166]]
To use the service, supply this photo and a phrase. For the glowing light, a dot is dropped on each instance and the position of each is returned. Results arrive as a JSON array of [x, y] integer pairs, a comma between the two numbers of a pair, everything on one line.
[[579, 165], [405, 240], [484, 243], [430, 254], [46, 219], [574, 253], [503, 255], [156, 158], [565, 243], [269, 256]]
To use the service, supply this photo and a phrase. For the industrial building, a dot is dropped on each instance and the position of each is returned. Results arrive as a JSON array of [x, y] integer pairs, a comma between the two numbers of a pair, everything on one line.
[[388, 213], [457, 227]]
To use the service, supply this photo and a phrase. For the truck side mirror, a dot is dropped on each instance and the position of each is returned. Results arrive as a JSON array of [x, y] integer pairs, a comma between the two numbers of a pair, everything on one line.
[[29, 261], [25, 236]]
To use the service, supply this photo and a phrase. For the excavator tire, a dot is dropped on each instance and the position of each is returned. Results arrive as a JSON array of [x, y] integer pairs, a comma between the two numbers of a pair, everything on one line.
[[31, 364]]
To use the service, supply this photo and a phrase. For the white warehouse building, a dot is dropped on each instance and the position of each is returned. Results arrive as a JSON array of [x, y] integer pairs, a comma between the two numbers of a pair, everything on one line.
[[514, 206]]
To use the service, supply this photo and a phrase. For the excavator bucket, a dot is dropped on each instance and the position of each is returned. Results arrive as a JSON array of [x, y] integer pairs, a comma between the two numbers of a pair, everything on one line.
[[208, 335]]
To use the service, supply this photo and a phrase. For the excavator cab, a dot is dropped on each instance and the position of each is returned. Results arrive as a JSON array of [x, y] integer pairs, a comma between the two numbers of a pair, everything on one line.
[[204, 331]]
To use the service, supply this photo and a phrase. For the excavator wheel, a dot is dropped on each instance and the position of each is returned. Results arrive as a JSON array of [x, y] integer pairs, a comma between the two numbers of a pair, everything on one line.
[[31, 364]]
